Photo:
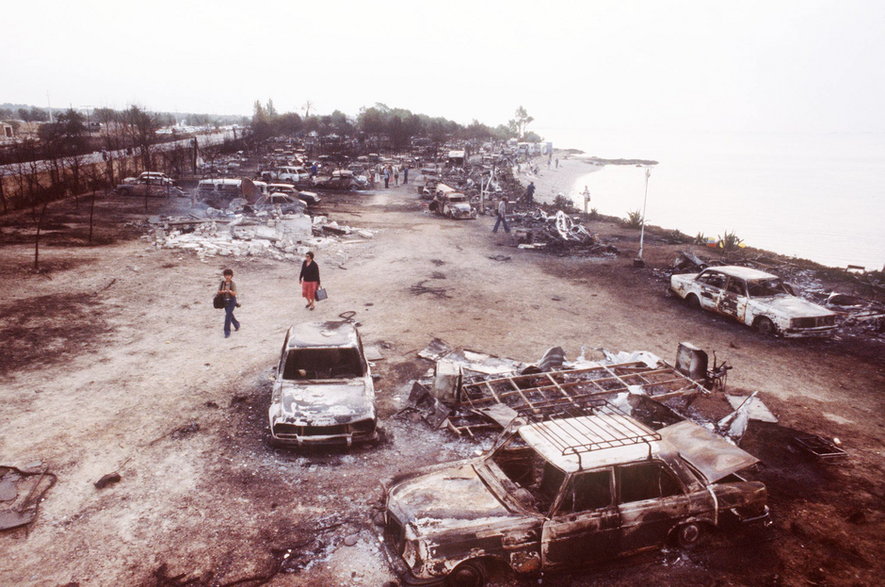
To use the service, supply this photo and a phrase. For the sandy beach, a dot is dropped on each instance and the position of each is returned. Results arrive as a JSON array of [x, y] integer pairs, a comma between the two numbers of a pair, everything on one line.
[[549, 182]]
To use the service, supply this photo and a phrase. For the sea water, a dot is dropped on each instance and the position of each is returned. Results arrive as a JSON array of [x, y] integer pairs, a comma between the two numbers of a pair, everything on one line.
[[818, 196]]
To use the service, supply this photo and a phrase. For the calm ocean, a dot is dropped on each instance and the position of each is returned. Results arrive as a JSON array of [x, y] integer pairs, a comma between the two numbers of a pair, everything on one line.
[[814, 196]]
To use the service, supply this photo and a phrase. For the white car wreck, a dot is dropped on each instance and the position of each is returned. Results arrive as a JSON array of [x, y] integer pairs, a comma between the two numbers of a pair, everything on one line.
[[323, 392], [758, 299]]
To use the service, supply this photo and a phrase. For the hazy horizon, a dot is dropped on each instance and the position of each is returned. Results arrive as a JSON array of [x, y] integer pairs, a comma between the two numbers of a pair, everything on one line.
[[778, 66]]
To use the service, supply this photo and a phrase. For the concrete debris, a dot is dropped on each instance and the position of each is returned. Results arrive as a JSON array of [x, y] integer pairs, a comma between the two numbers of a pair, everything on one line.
[[284, 237]]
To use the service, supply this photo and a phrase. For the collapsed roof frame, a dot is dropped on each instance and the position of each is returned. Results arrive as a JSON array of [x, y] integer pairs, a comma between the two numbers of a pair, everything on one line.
[[564, 393]]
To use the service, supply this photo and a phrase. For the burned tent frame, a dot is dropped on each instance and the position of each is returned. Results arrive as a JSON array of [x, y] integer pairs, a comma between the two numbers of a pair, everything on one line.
[[564, 393]]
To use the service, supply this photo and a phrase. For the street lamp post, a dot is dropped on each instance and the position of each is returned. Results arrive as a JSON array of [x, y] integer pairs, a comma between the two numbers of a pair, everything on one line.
[[639, 261]]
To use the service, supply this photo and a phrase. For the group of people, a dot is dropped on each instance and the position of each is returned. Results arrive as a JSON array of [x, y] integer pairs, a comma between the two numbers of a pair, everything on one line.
[[387, 172], [309, 278]]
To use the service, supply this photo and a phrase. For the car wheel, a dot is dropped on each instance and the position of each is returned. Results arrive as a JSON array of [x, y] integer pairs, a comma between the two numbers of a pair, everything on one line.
[[692, 301], [689, 535], [764, 326], [467, 574]]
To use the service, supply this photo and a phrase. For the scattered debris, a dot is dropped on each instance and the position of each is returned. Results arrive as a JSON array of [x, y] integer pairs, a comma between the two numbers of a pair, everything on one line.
[[757, 410], [819, 447], [108, 479], [21, 491], [473, 393], [558, 233], [438, 292]]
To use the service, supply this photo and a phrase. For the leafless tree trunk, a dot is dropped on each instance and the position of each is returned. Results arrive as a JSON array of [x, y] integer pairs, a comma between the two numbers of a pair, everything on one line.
[[3, 196], [38, 221]]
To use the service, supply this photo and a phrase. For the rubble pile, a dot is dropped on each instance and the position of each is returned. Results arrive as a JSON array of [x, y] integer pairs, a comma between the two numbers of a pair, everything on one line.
[[557, 232], [281, 237]]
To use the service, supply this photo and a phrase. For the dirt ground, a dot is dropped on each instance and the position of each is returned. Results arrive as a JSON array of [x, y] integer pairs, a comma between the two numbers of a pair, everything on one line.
[[114, 361]]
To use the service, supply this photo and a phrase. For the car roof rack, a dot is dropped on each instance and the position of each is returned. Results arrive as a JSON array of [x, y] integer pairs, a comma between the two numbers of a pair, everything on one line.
[[608, 427]]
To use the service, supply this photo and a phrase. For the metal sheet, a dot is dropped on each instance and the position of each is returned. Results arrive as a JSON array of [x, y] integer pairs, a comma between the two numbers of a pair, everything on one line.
[[713, 456]]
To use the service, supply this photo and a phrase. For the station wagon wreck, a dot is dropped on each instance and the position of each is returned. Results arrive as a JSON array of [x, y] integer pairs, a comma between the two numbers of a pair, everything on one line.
[[756, 298], [564, 493], [323, 392]]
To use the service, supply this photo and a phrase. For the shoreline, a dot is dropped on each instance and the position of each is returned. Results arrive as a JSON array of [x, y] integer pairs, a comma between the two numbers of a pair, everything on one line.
[[562, 180]]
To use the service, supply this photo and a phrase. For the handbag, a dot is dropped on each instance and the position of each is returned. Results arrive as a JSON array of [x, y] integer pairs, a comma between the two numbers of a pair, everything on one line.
[[218, 300], [321, 294]]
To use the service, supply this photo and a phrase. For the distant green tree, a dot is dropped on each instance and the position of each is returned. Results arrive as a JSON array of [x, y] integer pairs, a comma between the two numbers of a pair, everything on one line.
[[33, 114], [520, 121]]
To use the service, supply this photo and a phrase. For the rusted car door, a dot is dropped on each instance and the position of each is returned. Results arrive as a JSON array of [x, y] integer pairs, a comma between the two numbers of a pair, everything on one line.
[[710, 286], [651, 501], [585, 523], [733, 299]]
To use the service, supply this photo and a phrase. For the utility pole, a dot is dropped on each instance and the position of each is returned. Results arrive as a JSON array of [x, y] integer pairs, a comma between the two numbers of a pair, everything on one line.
[[639, 261]]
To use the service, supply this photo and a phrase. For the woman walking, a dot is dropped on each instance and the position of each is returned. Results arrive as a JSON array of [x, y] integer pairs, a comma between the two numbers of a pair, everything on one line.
[[229, 290], [309, 280]]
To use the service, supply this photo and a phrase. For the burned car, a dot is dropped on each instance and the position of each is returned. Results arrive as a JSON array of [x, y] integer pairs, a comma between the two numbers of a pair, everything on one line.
[[149, 183], [287, 204], [451, 203], [756, 298], [564, 493], [323, 392]]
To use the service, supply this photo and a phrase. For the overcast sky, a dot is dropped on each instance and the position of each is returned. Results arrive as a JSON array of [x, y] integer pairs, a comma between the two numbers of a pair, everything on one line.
[[702, 65]]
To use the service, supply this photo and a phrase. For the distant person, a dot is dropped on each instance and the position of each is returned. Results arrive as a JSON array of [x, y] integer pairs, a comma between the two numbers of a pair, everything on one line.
[[309, 278], [530, 193], [396, 175], [502, 215], [387, 177], [405, 175], [557, 162], [229, 290]]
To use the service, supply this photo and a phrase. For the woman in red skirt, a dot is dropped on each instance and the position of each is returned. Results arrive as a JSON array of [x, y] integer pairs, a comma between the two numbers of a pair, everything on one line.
[[309, 280]]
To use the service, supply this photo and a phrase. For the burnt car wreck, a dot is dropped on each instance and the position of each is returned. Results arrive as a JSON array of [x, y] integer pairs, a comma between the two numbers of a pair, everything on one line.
[[566, 492], [323, 392], [595, 462]]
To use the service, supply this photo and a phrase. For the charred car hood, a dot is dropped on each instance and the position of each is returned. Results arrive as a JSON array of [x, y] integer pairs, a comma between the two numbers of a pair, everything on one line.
[[792, 306], [442, 500], [324, 404], [711, 455]]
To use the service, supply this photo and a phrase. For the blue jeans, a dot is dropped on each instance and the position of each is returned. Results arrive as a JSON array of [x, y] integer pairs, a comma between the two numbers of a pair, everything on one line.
[[229, 316], [499, 221]]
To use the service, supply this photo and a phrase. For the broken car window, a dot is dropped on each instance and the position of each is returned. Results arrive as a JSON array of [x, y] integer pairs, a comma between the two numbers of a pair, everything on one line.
[[323, 363], [713, 279], [646, 481], [588, 491], [764, 288], [736, 286], [537, 482]]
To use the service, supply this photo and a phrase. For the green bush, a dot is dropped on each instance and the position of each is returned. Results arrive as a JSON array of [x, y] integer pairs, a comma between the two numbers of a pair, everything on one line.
[[565, 204], [730, 242], [634, 219], [594, 214]]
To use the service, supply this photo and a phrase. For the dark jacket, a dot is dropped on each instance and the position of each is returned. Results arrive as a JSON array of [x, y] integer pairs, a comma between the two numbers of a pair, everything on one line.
[[309, 272]]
